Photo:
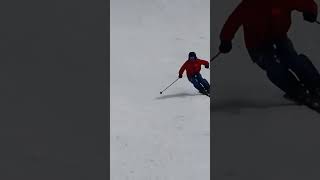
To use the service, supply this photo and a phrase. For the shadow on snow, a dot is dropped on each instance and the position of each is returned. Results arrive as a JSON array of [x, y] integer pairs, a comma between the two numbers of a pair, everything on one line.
[[179, 95], [237, 104]]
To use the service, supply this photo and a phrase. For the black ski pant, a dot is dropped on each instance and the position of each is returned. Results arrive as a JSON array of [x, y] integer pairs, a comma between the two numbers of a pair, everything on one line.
[[285, 68], [199, 82]]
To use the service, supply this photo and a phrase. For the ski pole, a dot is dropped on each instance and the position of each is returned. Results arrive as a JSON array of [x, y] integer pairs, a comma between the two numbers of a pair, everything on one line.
[[169, 85], [214, 57]]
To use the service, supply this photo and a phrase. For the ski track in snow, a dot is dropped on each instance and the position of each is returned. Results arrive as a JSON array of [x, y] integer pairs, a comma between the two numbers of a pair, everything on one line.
[[153, 136]]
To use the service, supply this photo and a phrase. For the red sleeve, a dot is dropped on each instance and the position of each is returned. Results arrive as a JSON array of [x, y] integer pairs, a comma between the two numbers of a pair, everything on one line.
[[203, 62], [183, 68], [232, 24], [304, 6]]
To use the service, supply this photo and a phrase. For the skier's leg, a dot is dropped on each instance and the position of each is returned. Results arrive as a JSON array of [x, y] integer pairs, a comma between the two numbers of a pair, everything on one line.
[[299, 64], [277, 73], [309, 74], [196, 84], [203, 82]]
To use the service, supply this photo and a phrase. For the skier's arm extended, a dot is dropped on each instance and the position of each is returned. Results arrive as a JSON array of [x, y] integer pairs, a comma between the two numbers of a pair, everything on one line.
[[304, 6], [204, 62], [232, 24], [308, 7], [182, 69]]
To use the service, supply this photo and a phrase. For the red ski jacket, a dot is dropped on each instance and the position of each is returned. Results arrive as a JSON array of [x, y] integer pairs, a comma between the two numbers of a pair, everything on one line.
[[192, 67], [264, 21]]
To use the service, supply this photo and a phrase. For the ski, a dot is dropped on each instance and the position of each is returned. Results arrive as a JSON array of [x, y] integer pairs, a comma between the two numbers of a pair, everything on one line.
[[299, 103], [206, 94], [286, 96]]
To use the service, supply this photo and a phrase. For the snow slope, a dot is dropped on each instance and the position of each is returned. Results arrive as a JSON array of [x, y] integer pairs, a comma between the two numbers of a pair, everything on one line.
[[153, 136], [257, 133]]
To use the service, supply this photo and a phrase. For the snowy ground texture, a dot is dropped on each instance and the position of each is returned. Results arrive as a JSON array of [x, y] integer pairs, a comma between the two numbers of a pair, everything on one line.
[[257, 133], [153, 136]]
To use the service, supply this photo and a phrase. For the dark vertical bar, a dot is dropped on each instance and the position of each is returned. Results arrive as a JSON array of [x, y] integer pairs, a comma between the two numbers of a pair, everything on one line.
[[255, 132], [53, 62], [107, 88], [212, 131]]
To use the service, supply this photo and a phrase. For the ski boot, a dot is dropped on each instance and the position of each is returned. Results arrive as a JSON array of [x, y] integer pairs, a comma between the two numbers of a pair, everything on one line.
[[315, 93], [208, 91], [305, 97], [204, 92]]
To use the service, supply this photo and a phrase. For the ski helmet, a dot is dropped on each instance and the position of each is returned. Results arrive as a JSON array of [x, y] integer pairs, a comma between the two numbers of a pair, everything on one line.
[[192, 55]]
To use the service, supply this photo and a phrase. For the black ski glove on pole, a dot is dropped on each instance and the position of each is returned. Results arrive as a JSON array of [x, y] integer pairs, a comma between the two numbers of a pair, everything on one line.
[[310, 17], [225, 46]]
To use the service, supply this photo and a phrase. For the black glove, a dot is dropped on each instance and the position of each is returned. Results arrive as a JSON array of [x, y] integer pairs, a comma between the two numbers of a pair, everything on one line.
[[225, 46], [310, 17], [206, 66], [180, 75]]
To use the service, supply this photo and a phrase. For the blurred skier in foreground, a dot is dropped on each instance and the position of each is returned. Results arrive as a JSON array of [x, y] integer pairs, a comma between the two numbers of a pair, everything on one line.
[[265, 25], [193, 67]]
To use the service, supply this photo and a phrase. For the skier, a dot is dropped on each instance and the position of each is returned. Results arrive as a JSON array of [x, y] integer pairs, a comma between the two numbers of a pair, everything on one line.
[[193, 67], [265, 25]]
